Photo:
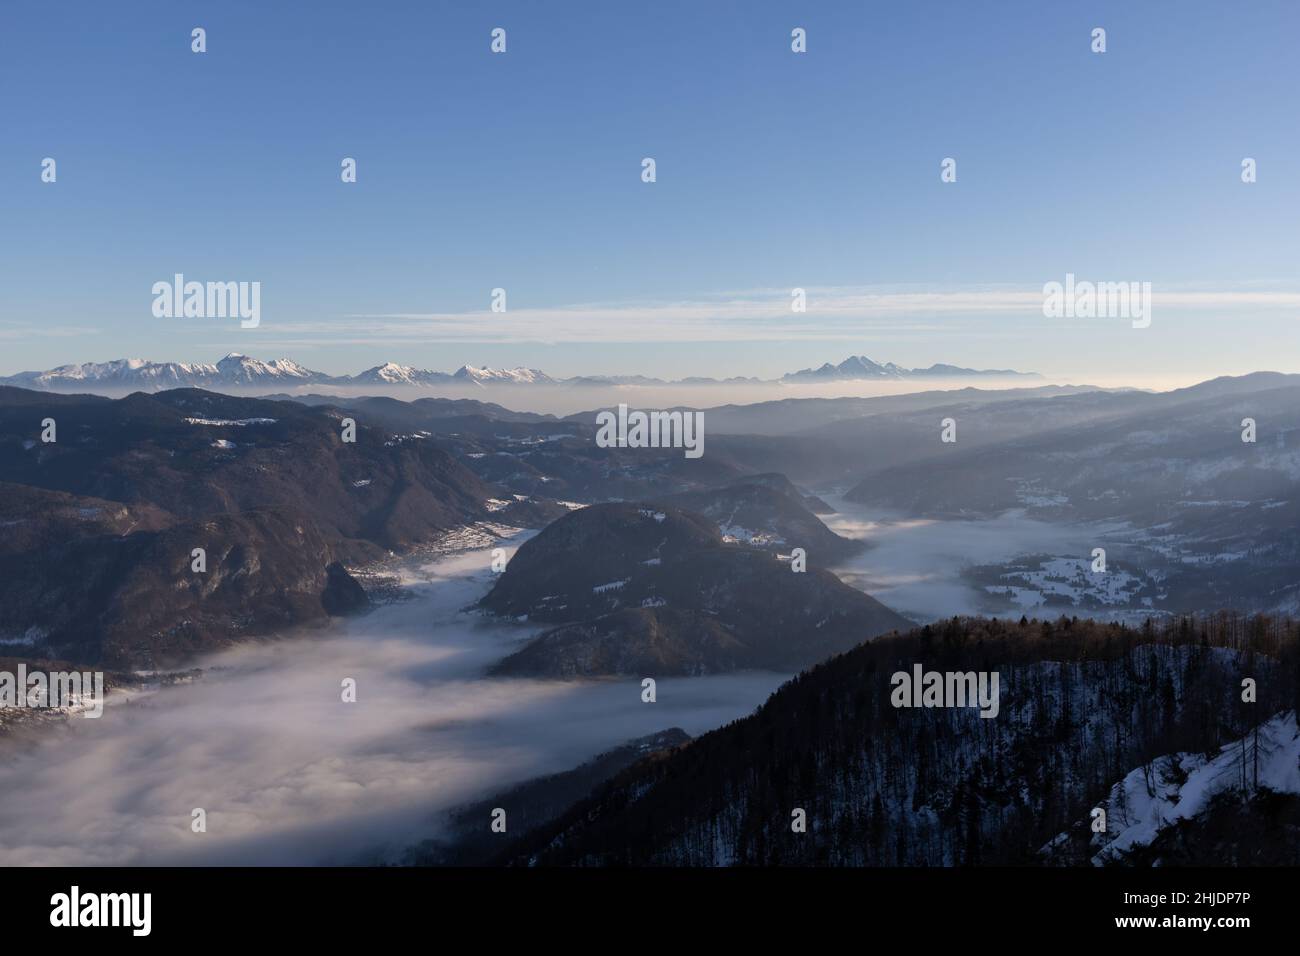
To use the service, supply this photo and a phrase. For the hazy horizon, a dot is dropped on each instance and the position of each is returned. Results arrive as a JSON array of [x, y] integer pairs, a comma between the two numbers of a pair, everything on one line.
[[562, 400]]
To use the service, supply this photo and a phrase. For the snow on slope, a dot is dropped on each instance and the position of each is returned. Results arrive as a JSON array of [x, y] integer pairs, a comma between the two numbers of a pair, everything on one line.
[[390, 373], [1185, 784], [501, 376], [238, 369]]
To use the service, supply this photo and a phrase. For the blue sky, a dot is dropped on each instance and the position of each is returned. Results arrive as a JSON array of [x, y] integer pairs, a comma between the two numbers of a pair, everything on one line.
[[775, 170]]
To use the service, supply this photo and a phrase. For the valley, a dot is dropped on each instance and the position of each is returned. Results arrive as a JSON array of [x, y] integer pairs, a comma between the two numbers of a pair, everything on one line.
[[289, 774], [492, 587]]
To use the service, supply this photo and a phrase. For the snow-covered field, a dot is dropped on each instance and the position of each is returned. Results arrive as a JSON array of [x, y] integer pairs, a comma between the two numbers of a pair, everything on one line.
[[1072, 579]]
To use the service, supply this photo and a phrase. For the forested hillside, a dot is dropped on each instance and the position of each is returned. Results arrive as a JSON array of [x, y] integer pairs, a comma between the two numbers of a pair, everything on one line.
[[1082, 704]]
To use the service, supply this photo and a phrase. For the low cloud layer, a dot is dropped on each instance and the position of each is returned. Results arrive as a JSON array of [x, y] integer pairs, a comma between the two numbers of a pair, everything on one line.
[[288, 774], [915, 566]]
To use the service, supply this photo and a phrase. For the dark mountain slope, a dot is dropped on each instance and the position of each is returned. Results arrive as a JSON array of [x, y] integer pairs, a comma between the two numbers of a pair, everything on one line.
[[432, 413], [638, 641], [788, 416], [1206, 520], [849, 448], [133, 601], [1119, 467], [469, 840], [102, 521], [1080, 704], [32, 518], [566, 572], [193, 454], [654, 589], [768, 512]]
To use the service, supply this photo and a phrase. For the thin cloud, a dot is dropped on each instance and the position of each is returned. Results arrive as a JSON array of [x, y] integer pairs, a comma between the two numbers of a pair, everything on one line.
[[762, 315], [12, 331]]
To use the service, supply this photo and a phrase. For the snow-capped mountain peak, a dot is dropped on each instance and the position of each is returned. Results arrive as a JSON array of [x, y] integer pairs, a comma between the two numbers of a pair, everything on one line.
[[860, 368], [237, 369], [513, 376], [391, 373], [244, 368]]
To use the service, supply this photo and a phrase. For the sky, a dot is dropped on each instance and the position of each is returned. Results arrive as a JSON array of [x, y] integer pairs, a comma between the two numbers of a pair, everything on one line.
[[775, 170]]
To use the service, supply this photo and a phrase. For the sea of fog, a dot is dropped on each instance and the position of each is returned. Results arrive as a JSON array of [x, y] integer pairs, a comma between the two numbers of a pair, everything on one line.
[[290, 774], [915, 565]]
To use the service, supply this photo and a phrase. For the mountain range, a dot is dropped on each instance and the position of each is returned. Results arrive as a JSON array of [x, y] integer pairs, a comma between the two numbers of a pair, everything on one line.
[[243, 370], [859, 367], [236, 370]]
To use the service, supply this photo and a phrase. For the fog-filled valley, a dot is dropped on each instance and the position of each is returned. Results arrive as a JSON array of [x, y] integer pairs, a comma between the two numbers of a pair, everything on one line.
[[494, 587], [289, 775]]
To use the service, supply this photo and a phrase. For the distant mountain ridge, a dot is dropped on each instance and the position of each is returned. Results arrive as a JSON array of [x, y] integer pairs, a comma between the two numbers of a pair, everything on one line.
[[237, 370], [859, 368]]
